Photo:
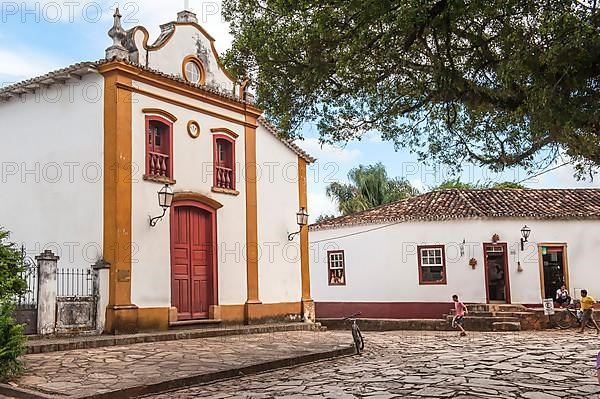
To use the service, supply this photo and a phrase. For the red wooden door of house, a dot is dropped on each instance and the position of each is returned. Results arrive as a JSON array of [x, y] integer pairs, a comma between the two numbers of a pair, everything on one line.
[[191, 262], [496, 272]]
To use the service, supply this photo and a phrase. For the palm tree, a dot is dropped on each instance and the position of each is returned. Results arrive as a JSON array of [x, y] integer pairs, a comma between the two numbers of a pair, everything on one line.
[[369, 187]]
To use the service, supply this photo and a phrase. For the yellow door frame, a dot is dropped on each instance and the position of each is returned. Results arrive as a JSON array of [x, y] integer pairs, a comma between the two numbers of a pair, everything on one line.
[[562, 245]]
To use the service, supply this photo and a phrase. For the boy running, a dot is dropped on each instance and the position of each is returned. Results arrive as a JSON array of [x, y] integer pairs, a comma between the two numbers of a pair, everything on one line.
[[587, 307], [459, 315]]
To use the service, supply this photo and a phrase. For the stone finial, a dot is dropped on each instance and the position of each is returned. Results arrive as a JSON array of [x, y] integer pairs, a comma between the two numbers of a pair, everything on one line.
[[187, 16], [117, 33], [47, 255], [101, 264]]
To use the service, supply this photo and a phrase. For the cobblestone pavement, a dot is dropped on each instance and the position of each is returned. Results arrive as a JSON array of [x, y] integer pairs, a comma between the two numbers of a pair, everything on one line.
[[532, 365], [90, 371]]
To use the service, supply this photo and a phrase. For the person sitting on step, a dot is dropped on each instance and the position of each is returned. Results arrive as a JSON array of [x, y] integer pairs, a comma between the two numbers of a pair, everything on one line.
[[562, 296]]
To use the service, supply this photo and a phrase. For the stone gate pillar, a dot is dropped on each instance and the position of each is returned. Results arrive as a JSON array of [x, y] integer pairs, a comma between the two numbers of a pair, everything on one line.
[[101, 283], [47, 286]]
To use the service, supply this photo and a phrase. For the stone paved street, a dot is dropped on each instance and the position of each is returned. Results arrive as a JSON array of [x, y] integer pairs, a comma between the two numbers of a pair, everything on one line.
[[84, 372], [532, 365]]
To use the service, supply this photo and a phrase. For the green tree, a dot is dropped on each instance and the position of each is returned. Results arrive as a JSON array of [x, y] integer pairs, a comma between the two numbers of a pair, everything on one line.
[[369, 187], [448, 184], [509, 185], [12, 341], [498, 82], [323, 218], [11, 266]]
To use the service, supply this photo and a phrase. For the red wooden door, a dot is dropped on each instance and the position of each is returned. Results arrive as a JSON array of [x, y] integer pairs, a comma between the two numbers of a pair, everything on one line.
[[191, 262], [496, 272]]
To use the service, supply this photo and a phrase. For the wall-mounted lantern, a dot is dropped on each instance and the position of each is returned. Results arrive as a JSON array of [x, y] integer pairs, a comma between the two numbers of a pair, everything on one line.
[[302, 220], [165, 199], [525, 232]]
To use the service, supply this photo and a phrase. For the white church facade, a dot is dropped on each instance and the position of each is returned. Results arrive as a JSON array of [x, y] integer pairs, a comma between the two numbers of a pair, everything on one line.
[[87, 148]]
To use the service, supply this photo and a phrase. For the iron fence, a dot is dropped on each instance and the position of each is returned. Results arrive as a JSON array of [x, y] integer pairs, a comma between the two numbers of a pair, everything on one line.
[[75, 283], [29, 273], [27, 303]]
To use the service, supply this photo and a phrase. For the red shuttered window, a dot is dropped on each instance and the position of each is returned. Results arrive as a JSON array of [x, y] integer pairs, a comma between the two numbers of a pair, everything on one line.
[[159, 148], [224, 162]]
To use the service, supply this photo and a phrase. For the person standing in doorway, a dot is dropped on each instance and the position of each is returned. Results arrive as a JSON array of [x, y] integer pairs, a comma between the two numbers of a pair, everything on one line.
[[587, 309], [460, 310]]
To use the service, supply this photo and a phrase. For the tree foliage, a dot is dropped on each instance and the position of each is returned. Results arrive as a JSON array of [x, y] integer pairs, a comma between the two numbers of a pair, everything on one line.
[[508, 185], [369, 187], [499, 82], [11, 265], [12, 341], [448, 184], [324, 217]]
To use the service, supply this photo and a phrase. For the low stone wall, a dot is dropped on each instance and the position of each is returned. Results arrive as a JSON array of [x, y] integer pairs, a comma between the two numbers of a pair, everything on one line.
[[389, 324], [534, 319], [561, 313], [75, 314], [384, 310]]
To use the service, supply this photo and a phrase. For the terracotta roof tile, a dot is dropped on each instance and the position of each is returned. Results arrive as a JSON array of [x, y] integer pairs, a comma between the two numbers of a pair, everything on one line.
[[81, 68], [479, 204], [91, 66]]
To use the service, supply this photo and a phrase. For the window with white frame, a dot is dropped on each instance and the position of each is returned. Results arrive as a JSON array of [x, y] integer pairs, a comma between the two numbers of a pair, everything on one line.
[[432, 264], [337, 268]]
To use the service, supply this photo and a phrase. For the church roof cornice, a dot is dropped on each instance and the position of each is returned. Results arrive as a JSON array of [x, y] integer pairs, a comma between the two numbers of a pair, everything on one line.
[[80, 69]]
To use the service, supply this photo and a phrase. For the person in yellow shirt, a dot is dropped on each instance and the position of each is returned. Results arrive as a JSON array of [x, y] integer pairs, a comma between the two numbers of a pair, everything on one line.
[[587, 307]]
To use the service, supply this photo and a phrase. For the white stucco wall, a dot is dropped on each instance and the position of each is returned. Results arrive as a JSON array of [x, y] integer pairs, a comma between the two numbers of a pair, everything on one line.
[[381, 265], [279, 273], [51, 156], [192, 165]]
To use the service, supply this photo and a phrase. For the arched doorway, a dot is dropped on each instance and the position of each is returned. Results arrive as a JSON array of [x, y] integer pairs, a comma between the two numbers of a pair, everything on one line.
[[193, 259]]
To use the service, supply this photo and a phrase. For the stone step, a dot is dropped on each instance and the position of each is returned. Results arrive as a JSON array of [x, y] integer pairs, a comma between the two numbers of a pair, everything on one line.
[[483, 323], [506, 326], [487, 318], [194, 323], [497, 314], [57, 344], [490, 307]]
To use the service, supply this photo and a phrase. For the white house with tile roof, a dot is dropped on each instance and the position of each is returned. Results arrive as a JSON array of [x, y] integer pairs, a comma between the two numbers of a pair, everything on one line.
[[406, 259], [85, 150]]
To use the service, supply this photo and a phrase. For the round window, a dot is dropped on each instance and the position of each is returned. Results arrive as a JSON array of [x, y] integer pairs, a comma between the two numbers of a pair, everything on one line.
[[192, 72]]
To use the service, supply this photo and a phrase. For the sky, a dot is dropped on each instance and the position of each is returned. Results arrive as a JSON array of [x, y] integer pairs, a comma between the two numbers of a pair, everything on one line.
[[39, 36]]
